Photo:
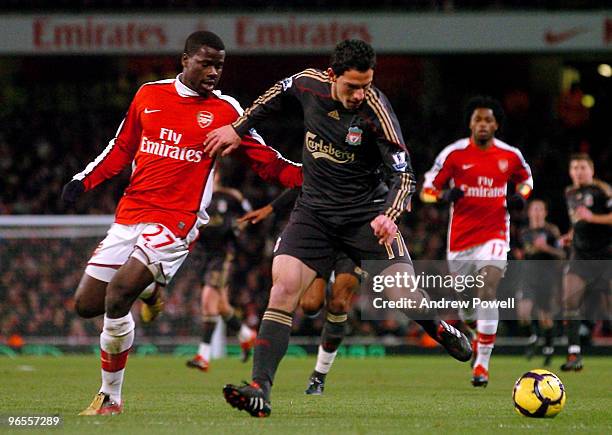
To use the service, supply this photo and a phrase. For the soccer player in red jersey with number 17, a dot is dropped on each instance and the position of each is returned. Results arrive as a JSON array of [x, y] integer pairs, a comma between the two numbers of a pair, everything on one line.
[[477, 170], [158, 216]]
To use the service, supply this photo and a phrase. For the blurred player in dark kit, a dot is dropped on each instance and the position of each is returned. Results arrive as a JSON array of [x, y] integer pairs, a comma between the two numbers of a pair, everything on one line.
[[219, 242], [540, 276], [589, 204]]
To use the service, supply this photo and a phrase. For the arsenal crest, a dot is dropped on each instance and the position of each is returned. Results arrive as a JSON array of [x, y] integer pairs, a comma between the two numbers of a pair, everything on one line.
[[354, 136], [503, 165], [205, 118]]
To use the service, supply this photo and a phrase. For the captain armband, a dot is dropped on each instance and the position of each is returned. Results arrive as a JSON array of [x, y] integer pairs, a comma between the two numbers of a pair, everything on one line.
[[430, 195], [524, 190]]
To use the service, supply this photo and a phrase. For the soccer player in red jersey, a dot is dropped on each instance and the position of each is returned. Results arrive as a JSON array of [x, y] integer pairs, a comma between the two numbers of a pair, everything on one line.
[[477, 170], [158, 216]]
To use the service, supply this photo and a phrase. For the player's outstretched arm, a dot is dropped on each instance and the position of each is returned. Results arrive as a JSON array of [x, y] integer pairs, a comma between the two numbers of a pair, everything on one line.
[[282, 202], [393, 152], [225, 140], [222, 140], [269, 164], [584, 214], [118, 154], [256, 216], [285, 200]]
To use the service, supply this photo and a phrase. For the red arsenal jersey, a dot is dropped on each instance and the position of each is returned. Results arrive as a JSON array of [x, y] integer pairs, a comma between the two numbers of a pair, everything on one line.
[[162, 137], [483, 175]]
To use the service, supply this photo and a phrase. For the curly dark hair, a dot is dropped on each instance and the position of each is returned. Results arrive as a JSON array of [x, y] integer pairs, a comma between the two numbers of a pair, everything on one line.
[[486, 102], [352, 54], [200, 38]]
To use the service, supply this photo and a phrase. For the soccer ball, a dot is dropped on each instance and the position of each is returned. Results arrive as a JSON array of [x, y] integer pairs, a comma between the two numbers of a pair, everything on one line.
[[539, 393]]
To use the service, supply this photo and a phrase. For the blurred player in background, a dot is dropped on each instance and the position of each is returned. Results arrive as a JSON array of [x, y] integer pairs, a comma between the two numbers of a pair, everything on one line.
[[344, 284], [161, 210], [477, 170], [589, 204], [540, 277], [350, 132], [219, 242]]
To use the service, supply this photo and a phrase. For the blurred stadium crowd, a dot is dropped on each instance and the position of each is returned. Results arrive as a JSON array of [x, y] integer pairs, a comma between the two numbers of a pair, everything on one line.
[[204, 5], [53, 126]]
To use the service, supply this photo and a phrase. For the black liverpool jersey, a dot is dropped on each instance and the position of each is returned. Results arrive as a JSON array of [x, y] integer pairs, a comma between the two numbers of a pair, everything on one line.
[[528, 236], [589, 237], [219, 235], [343, 149]]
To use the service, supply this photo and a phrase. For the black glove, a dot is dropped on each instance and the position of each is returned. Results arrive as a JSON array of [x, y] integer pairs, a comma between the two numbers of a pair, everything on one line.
[[515, 201], [72, 190], [452, 195]]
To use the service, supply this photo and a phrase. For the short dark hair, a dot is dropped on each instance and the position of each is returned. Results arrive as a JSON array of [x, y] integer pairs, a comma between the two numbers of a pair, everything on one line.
[[486, 102], [584, 157], [352, 54], [542, 200], [200, 38]]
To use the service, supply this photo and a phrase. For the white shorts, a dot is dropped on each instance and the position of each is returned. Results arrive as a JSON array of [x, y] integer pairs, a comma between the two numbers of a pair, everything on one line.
[[153, 245], [470, 261]]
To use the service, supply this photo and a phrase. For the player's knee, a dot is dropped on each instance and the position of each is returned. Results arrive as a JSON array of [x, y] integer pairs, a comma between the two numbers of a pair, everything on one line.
[[284, 295], [310, 306], [338, 305], [89, 297], [85, 309], [573, 291], [345, 283], [488, 291], [523, 311], [225, 308], [570, 302], [210, 307], [490, 278], [118, 299]]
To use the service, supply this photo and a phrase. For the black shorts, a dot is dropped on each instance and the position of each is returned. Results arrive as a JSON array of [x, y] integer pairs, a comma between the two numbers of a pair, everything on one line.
[[593, 268], [316, 242], [216, 270], [541, 295], [342, 265], [541, 281]]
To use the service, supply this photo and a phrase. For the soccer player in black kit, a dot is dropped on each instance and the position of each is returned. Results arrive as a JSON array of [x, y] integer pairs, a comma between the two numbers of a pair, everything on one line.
[[337, 300], [350, 131], [540, 276], [219, 240], [589, 204]]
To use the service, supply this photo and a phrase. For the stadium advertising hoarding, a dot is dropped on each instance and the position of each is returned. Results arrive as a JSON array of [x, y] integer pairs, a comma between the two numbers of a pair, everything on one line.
[[308, 33]]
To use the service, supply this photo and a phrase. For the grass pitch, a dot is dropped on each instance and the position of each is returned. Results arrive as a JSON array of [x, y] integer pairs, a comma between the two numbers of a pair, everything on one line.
[[412, 394]]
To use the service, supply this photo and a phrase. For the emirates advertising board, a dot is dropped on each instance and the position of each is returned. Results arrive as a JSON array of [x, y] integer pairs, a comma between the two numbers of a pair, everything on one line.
[[307, 33]]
